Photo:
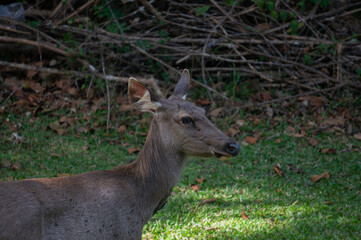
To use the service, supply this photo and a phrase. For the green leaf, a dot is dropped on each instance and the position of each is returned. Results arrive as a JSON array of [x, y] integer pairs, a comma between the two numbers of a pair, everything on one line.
[[283, 15], [260, 4], [270, 5], [274, 14], [201, 10], [307, 59], [294, 27]]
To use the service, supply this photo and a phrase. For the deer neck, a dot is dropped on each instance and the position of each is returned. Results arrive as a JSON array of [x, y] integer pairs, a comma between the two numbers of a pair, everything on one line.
[[158, 166]]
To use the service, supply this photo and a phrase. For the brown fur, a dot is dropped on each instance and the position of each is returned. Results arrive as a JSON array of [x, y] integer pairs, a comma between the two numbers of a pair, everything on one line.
[[115, 204]]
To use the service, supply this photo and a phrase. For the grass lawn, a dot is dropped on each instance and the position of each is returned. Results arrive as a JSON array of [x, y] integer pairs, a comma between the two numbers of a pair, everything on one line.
[[243, 198]]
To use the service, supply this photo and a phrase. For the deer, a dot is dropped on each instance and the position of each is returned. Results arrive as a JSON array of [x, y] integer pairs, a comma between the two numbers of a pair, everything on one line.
[[117, 203]]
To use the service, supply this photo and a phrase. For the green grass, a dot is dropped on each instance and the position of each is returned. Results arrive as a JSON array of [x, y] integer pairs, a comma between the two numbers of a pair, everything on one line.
[[288, 207]]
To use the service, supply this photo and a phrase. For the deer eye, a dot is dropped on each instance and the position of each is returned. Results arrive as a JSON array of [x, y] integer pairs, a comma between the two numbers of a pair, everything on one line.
[[187, 120]]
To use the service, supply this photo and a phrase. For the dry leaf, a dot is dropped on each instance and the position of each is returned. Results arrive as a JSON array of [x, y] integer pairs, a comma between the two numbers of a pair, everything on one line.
[[278, 170], [203, 101], [195, 187], [216, 112], [83, 129], [125, 107], [63, 119], [244, 216], [54, 125], [333, 121], [312, 142], [55, 155], [251, 140], [232, 131], [72, 91], [15, 166], [357, 136], [278, 140], [121, 129], [316, 177], [36, 87], [328, 151], [209, 200], [266, 96], [133, 150], [290, 129], [240, 122], [314, 101], [85, 148], [30, 74], [200, 180], [61, 132], [298, 135], [269, 112]]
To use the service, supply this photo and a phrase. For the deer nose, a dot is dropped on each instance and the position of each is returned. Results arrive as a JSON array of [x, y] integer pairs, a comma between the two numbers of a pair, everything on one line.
[[232, 148]]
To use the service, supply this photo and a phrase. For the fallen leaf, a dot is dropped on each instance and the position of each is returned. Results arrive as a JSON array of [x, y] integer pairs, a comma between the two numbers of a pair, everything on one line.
[[72, 91], [200, 180], [328, 151], [203, 101], [83, 129], [278, 170], [290, 129], [298, 135], [209, 200], [357, 136], [232, 131], [63, 119], [333, 121], [15, 166], [85, 148], [266, 96], [312, 141], [36, 87], [55, 155], [125, 107], [216, 112], [54, 125], [121, 129], [256, 120], [269, 112], [244, 216], [133, 150], [251, 140], [313, 100], [63, 83], [278, 140], [257, 134], [61, 132], [30, 74], [328, 202], [315, 177], [195, 187], [240, 122]]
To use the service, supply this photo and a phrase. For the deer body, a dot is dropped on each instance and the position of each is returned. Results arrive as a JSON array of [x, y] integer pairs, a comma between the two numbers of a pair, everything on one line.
[[115, 204]]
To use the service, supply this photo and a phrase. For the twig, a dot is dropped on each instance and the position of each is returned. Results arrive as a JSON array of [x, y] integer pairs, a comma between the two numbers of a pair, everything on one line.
[[80, 9], [149, 6]]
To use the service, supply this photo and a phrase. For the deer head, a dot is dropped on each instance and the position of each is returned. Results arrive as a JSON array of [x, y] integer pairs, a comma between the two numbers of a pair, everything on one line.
[[184, 127]]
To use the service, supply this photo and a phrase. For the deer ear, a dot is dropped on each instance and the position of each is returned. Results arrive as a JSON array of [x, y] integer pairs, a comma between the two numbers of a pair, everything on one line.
[[142, 99], [181, 88]]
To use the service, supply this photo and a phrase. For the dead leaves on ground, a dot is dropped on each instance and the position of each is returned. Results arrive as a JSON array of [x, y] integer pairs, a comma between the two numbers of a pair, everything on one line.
[[316, 178]]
